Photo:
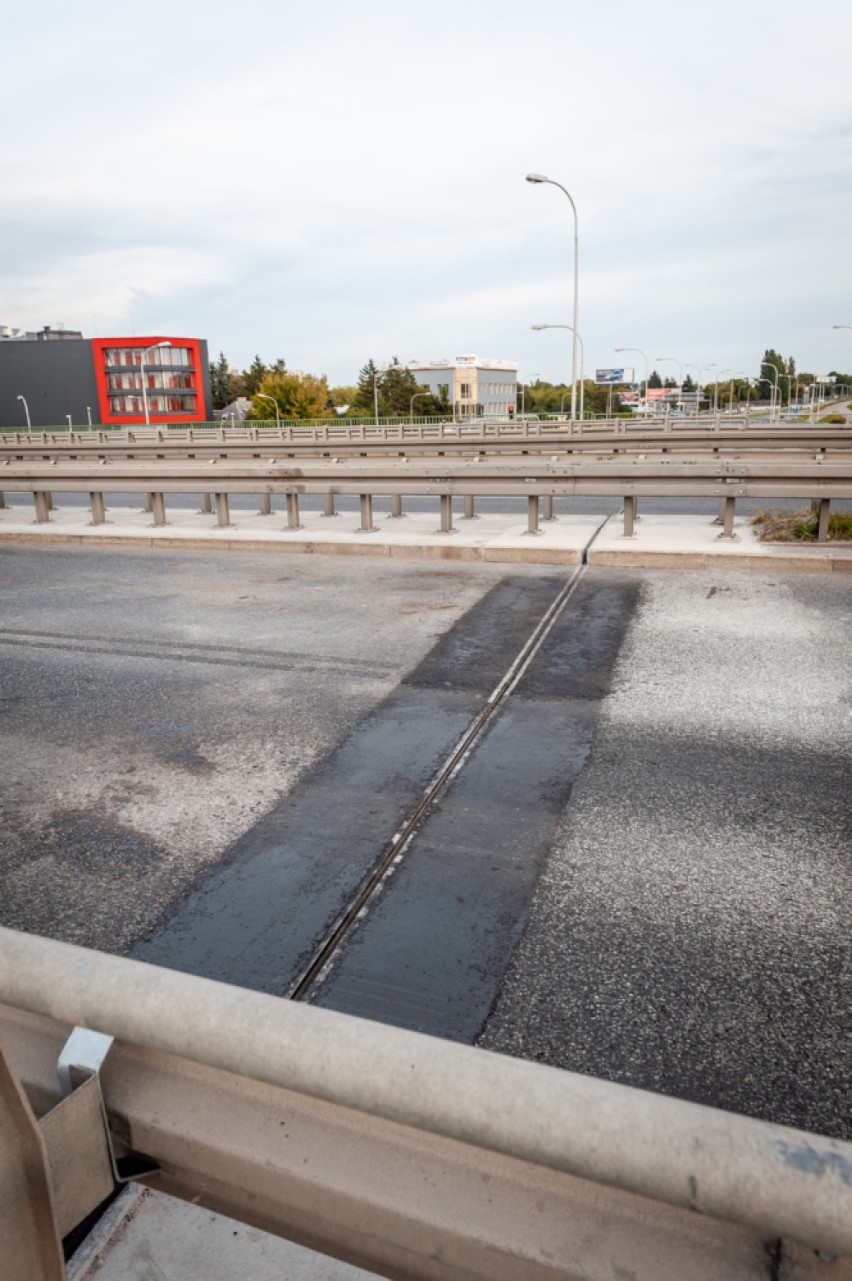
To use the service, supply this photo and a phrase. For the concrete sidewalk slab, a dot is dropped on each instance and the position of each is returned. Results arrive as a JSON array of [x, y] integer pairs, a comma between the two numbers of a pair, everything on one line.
[[694, 542], [492, 536], [677, 541]]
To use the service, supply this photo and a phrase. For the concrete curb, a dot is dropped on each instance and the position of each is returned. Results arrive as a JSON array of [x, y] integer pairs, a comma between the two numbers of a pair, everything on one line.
[[661, 542]]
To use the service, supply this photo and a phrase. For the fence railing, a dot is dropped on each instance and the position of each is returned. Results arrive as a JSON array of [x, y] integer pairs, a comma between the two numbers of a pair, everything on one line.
[[402, 1153], [326, 429]]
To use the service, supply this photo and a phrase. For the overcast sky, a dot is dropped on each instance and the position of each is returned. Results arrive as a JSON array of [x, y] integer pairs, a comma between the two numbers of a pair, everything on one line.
[[335, 181]]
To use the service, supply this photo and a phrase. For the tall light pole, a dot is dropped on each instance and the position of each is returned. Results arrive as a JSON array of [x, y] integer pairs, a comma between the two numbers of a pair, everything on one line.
[[538, 178], [27, 412], [260, 395], [416, 396], [582, 361], [719, 373], [647, 374], [674, 361], [775, 387], [700, 371], [153, 347]]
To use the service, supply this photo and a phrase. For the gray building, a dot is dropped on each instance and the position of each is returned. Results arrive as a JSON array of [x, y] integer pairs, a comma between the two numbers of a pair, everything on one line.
[[57, 378]]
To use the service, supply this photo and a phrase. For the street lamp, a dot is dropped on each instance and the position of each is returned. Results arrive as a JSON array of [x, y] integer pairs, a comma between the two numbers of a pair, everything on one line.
[[674, 361], [841, 326], [538, 178], [699, 372], [647, 374], [416, 396], [582, 363], [775, 387], [260, 395], [153, 347], [27, 412]]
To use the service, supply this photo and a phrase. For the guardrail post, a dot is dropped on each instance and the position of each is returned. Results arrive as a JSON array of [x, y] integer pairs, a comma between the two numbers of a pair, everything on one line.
[[532, 514], [396, 505], [547, 505], [146, 502], [293, 521], [98, 509], [205, 506], [42, 506], [824, 514], [447, 515], [265, 505], [366, 526], [223, 513], [158, 507], [727, 533], [470, 508], [328, 505], [720, 519], [2, 499], [629, 516]]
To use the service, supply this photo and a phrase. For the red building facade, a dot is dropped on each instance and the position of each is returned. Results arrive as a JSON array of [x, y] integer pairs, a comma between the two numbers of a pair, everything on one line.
[[176, 386]]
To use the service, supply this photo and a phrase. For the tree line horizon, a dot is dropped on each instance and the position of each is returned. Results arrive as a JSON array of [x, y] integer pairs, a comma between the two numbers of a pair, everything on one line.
[[393, 391]]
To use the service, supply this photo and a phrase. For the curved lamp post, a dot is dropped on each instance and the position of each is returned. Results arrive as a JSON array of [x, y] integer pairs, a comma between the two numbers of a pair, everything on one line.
[[416, 396], [261, 395], [582, 365], [699, 371], [776, 387], [672, 360], [27, 412], [153, 347], [647, 373], [539, 178]]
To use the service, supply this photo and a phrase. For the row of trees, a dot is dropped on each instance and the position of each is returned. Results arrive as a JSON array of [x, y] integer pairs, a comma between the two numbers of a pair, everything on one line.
[[394, 391]]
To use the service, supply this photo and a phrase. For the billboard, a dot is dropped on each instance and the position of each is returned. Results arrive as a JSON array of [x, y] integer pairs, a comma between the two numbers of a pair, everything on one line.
[[613, 377]]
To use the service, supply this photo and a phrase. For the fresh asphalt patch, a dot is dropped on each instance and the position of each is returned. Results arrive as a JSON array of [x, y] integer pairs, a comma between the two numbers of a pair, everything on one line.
[[258, 920], [430, 952]]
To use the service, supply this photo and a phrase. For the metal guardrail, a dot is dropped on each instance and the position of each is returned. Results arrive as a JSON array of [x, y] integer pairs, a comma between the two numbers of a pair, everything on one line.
[[406, 1154], [818, 480], [323, 430], [236, 442]]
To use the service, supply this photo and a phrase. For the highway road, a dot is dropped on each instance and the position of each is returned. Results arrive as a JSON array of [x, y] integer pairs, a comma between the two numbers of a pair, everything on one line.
[[639, 869]]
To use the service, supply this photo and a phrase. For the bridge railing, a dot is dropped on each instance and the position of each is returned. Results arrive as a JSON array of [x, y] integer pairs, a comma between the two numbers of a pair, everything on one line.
[[818, 479], [401, 1153]]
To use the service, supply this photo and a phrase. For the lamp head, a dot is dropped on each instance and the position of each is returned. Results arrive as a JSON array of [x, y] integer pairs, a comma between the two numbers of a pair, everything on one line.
[[537, 177], [538, 326]]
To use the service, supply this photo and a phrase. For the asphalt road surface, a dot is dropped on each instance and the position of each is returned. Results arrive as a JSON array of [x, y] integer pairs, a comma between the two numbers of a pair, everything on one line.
[[641, 871]]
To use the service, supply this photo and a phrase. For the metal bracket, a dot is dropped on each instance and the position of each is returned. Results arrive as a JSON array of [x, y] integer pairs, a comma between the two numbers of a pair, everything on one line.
[[80, 1062]]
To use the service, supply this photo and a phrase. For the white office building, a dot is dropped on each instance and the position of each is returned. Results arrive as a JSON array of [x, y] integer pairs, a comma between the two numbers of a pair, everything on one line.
[[475, 387]]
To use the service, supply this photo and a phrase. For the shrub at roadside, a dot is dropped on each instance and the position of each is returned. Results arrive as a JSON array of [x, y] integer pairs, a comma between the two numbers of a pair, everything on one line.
[[801, 527]]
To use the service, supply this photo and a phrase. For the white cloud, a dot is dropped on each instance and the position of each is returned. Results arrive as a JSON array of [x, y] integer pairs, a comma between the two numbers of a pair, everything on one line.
[[330, 182]]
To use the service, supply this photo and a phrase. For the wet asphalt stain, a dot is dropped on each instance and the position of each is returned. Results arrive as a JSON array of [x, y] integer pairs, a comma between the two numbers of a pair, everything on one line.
[[258, 919], [431, 951]]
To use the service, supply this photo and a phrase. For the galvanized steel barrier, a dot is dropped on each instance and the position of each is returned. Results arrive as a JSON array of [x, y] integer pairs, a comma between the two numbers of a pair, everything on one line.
[[402, 1153], [818, 479]]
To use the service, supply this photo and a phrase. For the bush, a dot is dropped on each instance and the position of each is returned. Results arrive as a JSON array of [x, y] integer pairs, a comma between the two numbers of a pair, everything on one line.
[[834, 418], [801, 527]]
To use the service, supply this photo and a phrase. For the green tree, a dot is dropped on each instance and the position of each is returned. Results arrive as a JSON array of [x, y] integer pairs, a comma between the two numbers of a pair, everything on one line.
[[363, 402], [297, 396], [767, 380], [220, 382], [254, 376], [655, 380]]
